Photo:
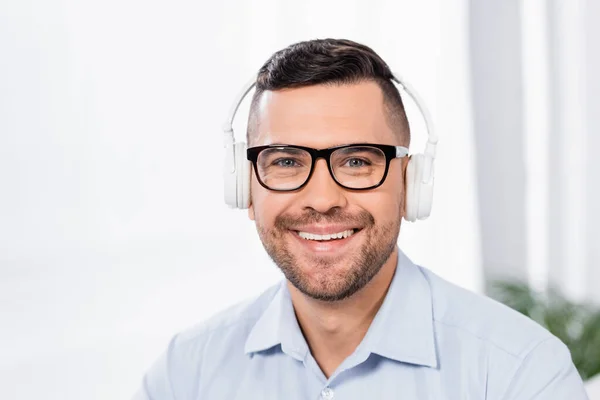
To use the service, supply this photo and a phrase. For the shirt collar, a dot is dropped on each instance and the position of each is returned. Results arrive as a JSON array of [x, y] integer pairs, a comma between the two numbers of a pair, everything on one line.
[[402, 329], [278, 325]]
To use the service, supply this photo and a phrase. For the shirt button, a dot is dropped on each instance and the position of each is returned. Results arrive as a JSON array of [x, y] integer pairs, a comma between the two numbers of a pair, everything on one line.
[[327, 394]]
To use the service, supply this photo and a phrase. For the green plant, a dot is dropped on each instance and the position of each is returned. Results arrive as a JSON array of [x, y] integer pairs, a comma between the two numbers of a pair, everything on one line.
[[577, 325]]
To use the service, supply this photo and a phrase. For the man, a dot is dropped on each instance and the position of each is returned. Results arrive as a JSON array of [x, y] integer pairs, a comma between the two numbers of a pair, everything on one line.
[[354, 318]]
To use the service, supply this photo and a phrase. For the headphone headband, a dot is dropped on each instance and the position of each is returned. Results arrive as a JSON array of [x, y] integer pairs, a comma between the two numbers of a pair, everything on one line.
[[228, 125], [430, 148]]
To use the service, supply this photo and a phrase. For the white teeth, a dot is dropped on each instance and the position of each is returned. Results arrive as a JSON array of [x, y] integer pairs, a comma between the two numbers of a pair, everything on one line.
[[314, 236]]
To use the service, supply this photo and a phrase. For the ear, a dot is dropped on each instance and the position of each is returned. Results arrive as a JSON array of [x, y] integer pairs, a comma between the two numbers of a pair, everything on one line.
[[251, 212]]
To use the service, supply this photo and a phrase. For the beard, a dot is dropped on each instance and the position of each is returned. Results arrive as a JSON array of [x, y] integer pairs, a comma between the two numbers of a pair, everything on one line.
[[378, 244]]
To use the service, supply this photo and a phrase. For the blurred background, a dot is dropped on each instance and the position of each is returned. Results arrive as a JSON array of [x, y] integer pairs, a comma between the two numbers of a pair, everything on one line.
[[113, 230]]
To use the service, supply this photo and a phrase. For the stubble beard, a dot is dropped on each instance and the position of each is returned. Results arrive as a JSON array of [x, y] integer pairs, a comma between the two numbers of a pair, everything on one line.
[[379, 243]]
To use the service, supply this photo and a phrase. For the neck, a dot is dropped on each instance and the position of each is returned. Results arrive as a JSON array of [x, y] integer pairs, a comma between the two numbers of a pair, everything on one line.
[[333, 330]]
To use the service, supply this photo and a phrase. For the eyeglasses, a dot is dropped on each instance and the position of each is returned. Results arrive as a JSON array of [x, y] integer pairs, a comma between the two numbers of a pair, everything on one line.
[[359, 166]]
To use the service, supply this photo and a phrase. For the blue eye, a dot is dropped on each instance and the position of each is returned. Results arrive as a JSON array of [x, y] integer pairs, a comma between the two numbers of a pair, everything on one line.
[[357, 163], [285, 162]]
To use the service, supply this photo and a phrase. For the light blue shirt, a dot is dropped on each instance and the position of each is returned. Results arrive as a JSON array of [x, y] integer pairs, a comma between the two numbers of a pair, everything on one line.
[[429, 340]]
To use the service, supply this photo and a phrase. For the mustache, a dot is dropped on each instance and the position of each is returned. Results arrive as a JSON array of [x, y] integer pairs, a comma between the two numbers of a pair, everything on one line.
[[361, 219]]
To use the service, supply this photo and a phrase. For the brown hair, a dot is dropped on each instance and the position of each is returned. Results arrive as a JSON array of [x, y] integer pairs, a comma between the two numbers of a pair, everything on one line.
[[330, 62]]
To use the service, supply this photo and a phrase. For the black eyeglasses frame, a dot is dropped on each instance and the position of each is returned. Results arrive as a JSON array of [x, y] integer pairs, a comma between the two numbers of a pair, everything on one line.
[[391, 152]]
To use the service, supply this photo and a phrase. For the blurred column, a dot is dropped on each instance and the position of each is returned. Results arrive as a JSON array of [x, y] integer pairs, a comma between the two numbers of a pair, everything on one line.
[[536, 122], [568, 144], [495, 41], [592, 51]]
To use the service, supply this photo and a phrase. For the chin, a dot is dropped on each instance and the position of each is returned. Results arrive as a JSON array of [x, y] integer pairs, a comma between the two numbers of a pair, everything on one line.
[[331, 282], [332, 291]]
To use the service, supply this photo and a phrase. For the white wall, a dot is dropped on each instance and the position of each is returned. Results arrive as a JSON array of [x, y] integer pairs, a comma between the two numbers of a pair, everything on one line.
[[536, 107], [495, 58], [592, 51], [571, 179], [113, 233]]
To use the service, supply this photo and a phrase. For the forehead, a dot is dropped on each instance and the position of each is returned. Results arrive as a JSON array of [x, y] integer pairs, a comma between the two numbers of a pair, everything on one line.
[[323, 115]]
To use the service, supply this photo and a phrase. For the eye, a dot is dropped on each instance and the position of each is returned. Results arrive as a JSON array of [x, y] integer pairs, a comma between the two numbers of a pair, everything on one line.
[[286, 163], [357, 162]]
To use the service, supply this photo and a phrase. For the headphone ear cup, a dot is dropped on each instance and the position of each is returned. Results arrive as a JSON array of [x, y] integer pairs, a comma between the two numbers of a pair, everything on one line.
[[425, 190], [419, 195], [236, 176], [412, 188], [230, 177], [242, 176]]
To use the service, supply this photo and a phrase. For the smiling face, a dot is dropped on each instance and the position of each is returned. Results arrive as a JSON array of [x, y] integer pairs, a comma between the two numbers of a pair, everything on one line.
[[328, 241]]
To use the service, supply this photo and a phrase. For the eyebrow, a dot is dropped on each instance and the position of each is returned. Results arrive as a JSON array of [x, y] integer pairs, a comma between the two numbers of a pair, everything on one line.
[[350, 150], [289, 150], [278, 144], [289, 144]]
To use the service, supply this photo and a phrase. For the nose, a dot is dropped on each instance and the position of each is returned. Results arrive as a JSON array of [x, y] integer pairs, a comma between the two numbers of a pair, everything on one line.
[[322, 193]]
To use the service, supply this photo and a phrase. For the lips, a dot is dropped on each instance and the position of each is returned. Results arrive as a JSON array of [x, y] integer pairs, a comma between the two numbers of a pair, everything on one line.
[[326, 245]]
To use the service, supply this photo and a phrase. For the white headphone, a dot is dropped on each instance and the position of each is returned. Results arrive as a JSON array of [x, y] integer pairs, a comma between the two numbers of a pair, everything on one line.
[[419, 172]]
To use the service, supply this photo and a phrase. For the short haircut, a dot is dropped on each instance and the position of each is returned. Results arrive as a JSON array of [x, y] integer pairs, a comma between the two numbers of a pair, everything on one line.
[[329, 62]]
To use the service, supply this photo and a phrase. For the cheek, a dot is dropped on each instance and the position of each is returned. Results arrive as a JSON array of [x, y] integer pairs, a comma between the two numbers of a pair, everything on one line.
[[394, 187], [384, 206], [384, 203], [266, 206]]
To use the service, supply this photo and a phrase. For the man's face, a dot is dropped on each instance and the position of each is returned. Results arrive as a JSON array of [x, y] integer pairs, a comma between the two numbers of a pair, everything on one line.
[[320, 117]]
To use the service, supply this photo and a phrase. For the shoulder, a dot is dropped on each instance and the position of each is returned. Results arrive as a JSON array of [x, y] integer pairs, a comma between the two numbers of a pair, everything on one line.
[[482, 319], [236, 320], [222, 335], [518, 357], [176, 373]]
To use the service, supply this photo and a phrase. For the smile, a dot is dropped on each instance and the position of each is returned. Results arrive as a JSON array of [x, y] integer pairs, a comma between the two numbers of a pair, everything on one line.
[[329, 241], [332, 236]]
